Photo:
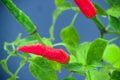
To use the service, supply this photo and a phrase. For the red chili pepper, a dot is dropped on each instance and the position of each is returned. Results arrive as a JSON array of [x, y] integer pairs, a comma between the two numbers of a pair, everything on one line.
[[86, 7], [48, 52]]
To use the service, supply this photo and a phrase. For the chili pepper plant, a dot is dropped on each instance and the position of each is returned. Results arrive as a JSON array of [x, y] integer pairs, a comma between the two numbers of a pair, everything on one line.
[[95, 60]]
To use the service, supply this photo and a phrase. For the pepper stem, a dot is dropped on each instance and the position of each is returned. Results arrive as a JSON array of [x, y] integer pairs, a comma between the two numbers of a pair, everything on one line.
[[100, 26], [74, 18], [37, 36]]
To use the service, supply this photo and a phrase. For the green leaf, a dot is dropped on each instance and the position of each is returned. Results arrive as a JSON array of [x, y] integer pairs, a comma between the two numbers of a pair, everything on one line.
[[73, 67], [70, 36], [73, 59], [114, 23], [82, 50], [42, 69], [71, 49], [63, 6], [66, 5], [112, 2], [103, 74], [114, 11], [112, 55], [96, 50], [115, 75], [59, 2], [100, 11], [56, 66], [80, 55], [109, 2], [69, 78]]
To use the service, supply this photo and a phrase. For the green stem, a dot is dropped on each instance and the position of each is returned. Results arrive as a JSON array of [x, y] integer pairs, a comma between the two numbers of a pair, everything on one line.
[[116, 61], [20, 55], [99, 25], [10, 73], [37, 36], [58, 44], [56, 13], [23, 55], [74, 18], [52, 30], [5, 66], [111, 40], [107, 27], [88, 75], [113, 32], [71, 74], [8, 57], [76, 57], [19, 68]]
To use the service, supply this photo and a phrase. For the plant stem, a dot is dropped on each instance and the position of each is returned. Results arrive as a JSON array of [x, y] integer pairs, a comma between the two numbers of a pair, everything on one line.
[[8, 71], [52, 30], [107, 27], [113, 32], [99, 25], [71, 74], [74, 18], [8, 57], [111, 40], [19, 68], [88, 75], [56, 13], [37, 36], [58, 44]]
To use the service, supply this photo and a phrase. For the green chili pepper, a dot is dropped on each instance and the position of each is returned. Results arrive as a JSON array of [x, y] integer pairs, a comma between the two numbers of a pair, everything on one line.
[[20, 16]]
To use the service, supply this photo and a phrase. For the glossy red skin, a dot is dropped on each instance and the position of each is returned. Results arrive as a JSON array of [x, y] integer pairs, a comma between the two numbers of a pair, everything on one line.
[[48, 52], [86, 7]]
